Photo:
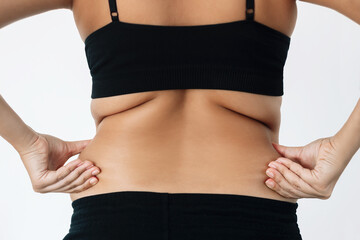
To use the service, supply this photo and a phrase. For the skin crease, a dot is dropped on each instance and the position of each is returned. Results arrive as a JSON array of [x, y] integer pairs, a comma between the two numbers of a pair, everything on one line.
[[192, 140]]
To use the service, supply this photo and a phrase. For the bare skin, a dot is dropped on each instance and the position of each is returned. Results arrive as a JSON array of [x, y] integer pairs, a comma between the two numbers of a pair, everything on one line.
[[193, 140]]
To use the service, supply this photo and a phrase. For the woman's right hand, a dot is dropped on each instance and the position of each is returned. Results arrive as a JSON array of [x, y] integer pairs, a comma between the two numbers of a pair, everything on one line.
[[44, 161], [309, 171]]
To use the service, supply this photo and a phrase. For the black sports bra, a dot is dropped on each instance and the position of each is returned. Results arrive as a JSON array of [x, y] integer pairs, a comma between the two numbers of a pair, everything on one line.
[[242, 55]]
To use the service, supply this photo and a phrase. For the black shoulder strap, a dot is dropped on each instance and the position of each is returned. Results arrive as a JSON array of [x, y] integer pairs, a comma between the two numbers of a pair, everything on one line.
[[113, 10], [250, 9]]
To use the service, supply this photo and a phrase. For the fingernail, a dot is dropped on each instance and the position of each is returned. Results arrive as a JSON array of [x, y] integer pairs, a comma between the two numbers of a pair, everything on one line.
[[270, 174], [272, 165], [279, 160], [270, 184], [95, 172], [93, 181]]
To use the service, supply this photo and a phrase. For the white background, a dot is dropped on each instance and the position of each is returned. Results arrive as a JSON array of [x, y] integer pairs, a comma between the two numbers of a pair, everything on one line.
[[45, 78]]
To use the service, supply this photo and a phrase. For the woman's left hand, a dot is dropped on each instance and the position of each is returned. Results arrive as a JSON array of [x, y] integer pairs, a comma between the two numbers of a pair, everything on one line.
[[310, 171]]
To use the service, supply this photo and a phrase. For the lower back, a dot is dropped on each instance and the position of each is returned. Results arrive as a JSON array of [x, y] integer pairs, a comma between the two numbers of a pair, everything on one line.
[[188, 141]]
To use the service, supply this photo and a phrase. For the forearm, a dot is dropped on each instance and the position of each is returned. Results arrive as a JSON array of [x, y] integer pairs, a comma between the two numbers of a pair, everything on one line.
[[347, 139], [351, 9], [348, 8], [13, 129]]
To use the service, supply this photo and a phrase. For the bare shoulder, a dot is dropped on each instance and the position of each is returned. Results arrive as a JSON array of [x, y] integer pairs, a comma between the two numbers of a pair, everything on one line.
[[14, 10]]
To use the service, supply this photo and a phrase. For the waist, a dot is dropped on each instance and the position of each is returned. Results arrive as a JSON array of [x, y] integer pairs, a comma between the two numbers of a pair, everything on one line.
[[204, 216], [211, 150]]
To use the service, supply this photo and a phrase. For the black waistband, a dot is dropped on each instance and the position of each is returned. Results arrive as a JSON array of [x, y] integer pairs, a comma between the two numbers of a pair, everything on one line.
[[149, 198]]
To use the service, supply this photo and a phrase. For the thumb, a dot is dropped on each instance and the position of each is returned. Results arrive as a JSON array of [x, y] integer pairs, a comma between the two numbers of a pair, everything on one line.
[[293, 153], [76, 147]]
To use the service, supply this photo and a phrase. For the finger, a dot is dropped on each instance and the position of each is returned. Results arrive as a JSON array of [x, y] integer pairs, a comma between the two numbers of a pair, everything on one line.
[[280, 185], [65, 170], [88, 184], [76, 147], [270, 183], [85, 176], [303, 173], [69, 178], [53, 177], [289, 152], [295, 184]]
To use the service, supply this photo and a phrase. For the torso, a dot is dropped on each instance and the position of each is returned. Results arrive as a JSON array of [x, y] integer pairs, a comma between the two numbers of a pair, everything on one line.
[[185, 140]]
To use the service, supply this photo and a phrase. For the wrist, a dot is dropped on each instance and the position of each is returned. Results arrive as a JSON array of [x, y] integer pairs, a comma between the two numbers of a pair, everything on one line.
[[27, 140], [347, 139], [14, 130]]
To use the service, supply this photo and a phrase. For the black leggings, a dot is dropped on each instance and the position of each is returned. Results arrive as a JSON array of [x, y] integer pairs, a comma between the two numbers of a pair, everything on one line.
[[145, 215]]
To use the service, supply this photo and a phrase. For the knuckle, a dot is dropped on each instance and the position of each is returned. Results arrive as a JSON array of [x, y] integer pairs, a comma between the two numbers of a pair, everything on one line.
[[79, 180], [35, 189], [270, 171], [80, 188], [83, 178], [278, 179], [83, 187], [87, 162], [69, 165], [60, 174], [38, 190], [67, 181], [278, 168], [72, 186], [276, 188], [282, 192], [323, 190], [287, 195], [68, 168], [283, 166], [320, 187], [297, 171], [290, 164], [74, 191], [292, 191], [284, 160], [85, 166], [296, 185], [90, 170], [78, 171], [325, 195], [77, 162], [38, 187]]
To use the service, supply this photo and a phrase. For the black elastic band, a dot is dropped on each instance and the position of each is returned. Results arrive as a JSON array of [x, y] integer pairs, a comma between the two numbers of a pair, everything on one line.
[[250, 9], [113, 10]]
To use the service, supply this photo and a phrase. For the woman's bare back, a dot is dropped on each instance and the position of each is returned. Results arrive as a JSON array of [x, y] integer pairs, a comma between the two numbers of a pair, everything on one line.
[[185, 140]]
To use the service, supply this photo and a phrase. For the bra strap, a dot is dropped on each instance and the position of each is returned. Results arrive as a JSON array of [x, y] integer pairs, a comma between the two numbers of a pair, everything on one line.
[[250, 9], [113, 10]]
